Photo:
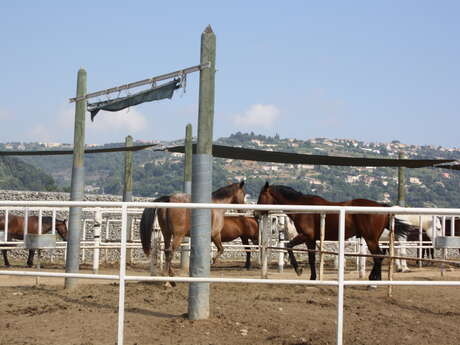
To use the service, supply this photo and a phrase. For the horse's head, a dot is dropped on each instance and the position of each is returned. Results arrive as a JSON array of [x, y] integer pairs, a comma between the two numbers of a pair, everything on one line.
[[61, 228], [231, 194], [438, 226], [239, 196], [265, 197]]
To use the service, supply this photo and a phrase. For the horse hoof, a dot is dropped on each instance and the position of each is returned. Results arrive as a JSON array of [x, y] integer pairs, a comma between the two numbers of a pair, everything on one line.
[[372, 287], [170, 284], [299, 271]]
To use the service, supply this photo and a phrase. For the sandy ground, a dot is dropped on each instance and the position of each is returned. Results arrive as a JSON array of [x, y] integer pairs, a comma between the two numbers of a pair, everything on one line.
[[240, 314]]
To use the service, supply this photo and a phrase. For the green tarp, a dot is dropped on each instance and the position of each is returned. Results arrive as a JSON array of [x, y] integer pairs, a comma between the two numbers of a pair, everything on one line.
[[241, 153], [153, 94], [69, 152]]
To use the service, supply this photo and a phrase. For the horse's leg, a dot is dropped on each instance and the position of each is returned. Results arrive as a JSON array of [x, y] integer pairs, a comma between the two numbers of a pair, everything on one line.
[[167, 250], [376, 273], [299, 239], [220, 248], [245, 241], [30, 259], [311, 245], [401, 264], [176, 242], [5, 257]]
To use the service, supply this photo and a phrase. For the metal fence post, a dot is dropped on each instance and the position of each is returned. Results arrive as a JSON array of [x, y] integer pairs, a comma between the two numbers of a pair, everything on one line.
[[341, 277], [97, 239], [121, 292]]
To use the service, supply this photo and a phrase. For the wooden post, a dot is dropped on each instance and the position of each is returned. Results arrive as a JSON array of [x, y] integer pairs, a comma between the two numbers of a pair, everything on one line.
[[77, 184], [128, 176], [185, 248], [402, 182], [128, 193], [321, 244], [392, 253], [264, 231], [200, 256]]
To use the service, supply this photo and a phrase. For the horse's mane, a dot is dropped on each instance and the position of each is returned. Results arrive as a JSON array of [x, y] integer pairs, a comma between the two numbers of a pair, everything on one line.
[[290, 193], [48, 220], [224, 192]]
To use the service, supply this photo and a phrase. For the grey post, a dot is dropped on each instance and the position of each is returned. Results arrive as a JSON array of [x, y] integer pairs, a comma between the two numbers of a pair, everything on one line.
[[402, 183], [188, 160], [128, 177], [77, 184], [200, 257], [128, 190], [185, 253]]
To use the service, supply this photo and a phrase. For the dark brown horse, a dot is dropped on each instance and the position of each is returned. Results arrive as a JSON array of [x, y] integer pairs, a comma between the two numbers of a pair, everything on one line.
[[243, 227], [16, 231], [175, 222], [368, 226]]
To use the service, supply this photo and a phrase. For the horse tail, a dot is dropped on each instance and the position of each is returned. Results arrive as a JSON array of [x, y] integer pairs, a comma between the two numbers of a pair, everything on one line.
[[146, 226], [402, 228]]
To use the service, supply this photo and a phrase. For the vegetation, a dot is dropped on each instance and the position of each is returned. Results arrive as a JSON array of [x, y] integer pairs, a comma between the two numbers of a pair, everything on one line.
[[17, 175], [158, 173]]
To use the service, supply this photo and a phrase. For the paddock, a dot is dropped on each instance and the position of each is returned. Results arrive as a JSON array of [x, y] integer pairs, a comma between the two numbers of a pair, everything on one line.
[[240, 313], [298, 298]]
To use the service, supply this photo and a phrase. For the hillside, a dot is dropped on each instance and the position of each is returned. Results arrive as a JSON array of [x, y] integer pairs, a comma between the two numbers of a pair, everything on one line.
[[18, 175], [158, 173]]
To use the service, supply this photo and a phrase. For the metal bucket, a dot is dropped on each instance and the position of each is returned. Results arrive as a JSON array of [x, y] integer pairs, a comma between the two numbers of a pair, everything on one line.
[[35, 241], [445, 242]]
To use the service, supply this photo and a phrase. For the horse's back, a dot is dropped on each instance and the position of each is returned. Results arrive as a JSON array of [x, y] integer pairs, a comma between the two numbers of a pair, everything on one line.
[[366, 203], [252, 228], [239, 226], [232, 228], [15, 226]]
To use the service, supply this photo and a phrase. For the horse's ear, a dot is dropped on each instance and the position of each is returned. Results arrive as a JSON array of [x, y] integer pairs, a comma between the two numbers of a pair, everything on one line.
[[266, 185], [242, 184]]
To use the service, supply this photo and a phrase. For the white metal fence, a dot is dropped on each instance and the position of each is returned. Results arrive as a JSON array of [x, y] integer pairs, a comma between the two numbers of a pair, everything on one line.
[[340, 282]]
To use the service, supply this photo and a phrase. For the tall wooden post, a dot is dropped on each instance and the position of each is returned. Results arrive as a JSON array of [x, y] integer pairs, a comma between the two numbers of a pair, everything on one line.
[[188, 160], [185, 248], [128, 192], [128, 176], [198, 300], [77, 184], [402, 182]]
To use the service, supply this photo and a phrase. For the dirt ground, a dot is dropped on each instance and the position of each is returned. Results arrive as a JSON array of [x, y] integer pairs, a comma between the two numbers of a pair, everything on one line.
[[240, 314]]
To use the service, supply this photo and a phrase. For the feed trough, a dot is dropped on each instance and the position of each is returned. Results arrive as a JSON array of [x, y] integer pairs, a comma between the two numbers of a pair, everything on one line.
[[447, 242], [34, 241]]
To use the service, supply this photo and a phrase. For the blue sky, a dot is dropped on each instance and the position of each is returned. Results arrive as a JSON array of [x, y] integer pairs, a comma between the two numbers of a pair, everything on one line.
[[367, 70]]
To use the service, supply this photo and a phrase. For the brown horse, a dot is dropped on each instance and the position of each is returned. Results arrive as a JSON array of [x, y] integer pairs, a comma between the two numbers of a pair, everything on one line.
[[368, 226], [246, 228], [175, 222], [16, 231]]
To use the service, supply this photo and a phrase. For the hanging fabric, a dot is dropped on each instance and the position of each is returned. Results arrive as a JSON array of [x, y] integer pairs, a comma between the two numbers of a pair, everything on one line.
[[153, 94]]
